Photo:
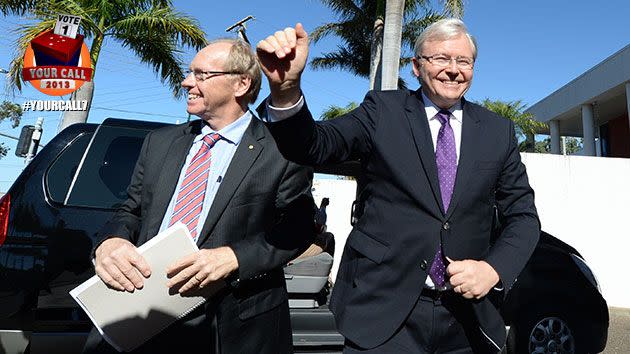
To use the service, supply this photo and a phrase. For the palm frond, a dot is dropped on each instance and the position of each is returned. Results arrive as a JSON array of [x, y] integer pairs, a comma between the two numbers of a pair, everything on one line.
[[454, 8], [160, 53], [344, 8], [333, 111], [26, 35], [324, 30], [163, 21], [49, 10], [413, 28], [16, 7]]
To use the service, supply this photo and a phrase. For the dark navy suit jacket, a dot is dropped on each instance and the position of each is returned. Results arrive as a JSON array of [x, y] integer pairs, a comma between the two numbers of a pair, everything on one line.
[[390, 249]]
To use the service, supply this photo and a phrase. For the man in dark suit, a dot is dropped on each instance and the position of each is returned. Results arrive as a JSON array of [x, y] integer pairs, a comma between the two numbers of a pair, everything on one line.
[[249, 210], [420, 271]]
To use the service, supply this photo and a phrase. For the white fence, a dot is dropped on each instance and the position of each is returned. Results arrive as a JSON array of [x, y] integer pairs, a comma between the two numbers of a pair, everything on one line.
[[585, 202]]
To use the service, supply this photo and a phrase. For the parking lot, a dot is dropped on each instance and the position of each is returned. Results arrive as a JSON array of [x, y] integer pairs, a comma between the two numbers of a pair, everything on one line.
[[619, 331]]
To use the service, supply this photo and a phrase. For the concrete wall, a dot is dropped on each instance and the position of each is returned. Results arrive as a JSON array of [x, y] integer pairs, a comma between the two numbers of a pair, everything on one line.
[[585, 202]]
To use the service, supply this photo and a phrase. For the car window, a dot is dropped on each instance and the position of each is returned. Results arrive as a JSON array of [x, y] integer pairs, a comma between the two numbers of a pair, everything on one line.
[[61, 172], [106, 169]]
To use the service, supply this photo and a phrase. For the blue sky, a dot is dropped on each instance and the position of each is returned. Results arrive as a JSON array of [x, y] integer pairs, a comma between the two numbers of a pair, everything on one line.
[[527, 50]]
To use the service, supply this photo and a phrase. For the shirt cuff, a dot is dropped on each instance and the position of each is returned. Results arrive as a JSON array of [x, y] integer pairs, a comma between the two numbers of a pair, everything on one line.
[[275, 114]]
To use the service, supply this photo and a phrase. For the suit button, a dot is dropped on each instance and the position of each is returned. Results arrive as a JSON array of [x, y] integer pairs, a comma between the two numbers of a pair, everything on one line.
[[423, 264], [446, 226]]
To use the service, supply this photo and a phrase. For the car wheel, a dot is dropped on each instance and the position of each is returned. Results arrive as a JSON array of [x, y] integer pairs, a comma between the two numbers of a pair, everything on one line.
[[542, 334]]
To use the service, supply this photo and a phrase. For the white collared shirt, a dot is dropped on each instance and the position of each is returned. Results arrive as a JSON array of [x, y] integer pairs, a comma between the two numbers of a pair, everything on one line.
[[434, 124], [222, 153]]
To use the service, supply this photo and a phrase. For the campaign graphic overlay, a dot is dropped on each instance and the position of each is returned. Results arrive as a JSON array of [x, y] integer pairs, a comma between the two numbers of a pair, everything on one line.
[[57, 62]]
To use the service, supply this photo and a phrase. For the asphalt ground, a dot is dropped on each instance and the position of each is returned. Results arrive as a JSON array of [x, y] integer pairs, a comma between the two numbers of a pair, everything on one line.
[[618, 331]]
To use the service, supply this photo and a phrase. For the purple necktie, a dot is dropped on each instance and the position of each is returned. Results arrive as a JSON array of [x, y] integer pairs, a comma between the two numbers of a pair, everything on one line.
[[446, 160]]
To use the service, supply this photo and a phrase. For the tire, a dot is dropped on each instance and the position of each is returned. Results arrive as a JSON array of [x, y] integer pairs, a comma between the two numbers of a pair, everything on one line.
[[542, 333]]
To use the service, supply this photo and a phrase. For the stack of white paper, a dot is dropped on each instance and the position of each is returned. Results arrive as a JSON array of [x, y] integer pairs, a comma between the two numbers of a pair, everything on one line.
[[126, 320]]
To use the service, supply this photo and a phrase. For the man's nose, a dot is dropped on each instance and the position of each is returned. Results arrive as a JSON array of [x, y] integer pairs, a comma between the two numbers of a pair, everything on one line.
[[188, 81], [452, 66]]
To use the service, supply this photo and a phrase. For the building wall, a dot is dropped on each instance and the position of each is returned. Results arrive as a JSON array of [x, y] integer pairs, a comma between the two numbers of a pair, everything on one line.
[[585, 202], [619, 137]]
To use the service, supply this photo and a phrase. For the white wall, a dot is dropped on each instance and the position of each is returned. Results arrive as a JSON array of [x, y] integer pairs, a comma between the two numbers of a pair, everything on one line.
[[585, 202], [341, 193]]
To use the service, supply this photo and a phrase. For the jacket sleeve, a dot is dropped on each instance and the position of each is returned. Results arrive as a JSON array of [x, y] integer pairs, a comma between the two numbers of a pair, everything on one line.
[[520, 225], [292, 230], [302, 140]]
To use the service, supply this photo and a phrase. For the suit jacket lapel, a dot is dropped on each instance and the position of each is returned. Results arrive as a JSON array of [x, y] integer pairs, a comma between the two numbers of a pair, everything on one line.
[[173, 163], [246, 153], [471, 138], [419, 124]]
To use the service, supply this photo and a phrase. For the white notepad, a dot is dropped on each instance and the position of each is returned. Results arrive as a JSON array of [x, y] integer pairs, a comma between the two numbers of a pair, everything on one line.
[[127, 320]]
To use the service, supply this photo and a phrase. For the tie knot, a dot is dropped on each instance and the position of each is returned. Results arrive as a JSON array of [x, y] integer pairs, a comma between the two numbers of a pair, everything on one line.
[[211, 139], [443, 116]]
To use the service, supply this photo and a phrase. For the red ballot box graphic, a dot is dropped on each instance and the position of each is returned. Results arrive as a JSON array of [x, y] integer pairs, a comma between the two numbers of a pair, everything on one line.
[[52, 49], [57, 65]]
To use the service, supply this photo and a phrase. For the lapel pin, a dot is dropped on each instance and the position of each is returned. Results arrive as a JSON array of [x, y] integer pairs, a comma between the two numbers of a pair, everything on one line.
[[251, 147]]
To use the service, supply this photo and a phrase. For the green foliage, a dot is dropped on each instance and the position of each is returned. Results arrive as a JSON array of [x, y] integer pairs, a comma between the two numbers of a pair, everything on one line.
[[573, 145], [333, 111], [525, 123], [151, 29], [543, 146], [12, 112], [355, 25]]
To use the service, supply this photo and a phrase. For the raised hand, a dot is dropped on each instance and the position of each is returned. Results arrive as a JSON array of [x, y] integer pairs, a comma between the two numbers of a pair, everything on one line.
[[120, 266], [283, 58]]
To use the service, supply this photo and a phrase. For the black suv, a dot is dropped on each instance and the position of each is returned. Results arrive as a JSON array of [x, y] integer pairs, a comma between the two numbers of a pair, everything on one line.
[[50, 216]]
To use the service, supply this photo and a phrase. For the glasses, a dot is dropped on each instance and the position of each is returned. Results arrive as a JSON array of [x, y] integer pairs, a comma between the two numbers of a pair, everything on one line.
[[205, 75], [441, 60]]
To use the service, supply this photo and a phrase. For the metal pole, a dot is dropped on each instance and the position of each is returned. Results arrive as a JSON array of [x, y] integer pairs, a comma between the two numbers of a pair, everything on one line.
[[37, 135], [240, 26]]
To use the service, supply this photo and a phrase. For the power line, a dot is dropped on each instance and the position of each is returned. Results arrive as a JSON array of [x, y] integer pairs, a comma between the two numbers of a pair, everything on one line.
[[142, 113]]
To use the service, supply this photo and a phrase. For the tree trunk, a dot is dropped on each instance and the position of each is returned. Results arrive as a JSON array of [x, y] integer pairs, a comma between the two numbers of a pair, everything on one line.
[[84, 93], [391, 43], [376, 67], [530, 143]]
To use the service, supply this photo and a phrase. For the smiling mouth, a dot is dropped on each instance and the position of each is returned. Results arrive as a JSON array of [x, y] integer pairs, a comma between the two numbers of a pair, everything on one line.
[[192, 96]]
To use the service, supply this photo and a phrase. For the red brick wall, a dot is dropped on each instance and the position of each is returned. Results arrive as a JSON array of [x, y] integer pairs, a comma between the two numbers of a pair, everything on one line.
[[619, 137]]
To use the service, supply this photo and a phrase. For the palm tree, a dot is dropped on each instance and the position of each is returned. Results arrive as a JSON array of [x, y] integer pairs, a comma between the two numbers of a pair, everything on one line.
[[333, 111], [360, 28], [526, 125], [151, 29], [391, 43]]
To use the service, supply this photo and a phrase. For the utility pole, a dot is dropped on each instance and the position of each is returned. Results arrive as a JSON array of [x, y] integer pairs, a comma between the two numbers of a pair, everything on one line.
[[35, 138], [240, 28]]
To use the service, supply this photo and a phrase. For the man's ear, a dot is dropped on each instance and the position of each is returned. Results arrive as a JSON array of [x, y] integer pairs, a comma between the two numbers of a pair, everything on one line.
[[415, 66], [242, 85]]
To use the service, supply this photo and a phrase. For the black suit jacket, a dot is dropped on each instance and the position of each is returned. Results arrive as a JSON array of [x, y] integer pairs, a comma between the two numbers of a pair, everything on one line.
[[263, 210], [389, 251]]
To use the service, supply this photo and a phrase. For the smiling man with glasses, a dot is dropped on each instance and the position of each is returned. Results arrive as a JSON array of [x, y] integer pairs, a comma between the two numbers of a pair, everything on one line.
[[248, 209], [421, 271]]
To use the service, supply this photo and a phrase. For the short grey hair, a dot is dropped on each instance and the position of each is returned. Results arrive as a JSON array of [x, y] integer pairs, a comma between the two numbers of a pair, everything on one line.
[[443, 30], [242, 59]]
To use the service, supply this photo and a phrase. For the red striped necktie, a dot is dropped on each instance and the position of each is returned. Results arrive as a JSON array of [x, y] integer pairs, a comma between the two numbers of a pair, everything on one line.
[[193, 188]]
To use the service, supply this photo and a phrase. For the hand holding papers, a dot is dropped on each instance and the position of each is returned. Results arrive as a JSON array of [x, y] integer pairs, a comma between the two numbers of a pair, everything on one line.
[[128, 319]]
